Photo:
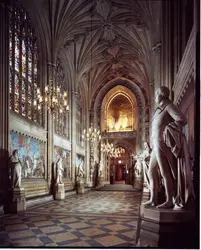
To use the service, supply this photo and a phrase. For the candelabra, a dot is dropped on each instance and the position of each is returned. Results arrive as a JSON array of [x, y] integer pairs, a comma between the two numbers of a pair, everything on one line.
[[92, 135], [111, 150], [53, 99]]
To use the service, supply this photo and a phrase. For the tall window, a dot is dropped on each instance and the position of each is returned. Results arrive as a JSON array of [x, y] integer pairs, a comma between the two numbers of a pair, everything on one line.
[[23, 64], [61, 119], [79, 121]]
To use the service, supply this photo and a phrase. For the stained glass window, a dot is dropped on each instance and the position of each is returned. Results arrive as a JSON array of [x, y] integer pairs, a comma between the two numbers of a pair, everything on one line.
[[23, 64], [61, 120]]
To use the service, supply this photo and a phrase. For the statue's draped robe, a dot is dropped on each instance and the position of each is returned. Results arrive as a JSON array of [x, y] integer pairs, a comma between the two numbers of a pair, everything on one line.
[[175, 139], [15, 168]]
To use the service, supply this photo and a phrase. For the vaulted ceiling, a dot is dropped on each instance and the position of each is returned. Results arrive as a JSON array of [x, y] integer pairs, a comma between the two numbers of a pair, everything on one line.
[[113, 38]]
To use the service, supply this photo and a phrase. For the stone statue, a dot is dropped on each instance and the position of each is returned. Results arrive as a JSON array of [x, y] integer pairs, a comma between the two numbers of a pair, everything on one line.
[[15, 169], [145, 161], [145, 157], [59, 171], [169, 154], [138, 166], [96, 172], [80, 174]]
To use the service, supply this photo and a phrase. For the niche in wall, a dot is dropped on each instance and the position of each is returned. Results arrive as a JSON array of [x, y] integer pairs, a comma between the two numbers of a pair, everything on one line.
[[31, 153]]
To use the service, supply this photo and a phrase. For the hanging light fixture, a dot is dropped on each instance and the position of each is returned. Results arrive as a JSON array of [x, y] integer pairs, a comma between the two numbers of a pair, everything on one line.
[[110, 150], [54, 100], [91, 135]]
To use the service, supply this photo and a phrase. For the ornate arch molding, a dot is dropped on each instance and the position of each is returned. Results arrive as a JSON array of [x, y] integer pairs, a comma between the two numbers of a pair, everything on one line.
[[99, 95], [128, 146]]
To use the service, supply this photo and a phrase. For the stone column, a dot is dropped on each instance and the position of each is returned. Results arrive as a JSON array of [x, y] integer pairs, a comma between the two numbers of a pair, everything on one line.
[[167, 45], [4, 98], [50, 135], [73, 135]]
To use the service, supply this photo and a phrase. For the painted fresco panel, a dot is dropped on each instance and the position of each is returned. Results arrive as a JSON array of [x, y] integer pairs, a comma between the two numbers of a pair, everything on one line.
[[65, 155], [31, 153]]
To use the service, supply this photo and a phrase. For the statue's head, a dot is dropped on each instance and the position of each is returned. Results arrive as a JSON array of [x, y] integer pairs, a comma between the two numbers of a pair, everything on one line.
[[15, 152], [162, 93]]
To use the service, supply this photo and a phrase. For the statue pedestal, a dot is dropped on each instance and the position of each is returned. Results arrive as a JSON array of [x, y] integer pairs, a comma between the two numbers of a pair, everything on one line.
[[90, 184], [59, 193], [80, 188], [138, 183], [166, 228], [15, 201], [100, 182]]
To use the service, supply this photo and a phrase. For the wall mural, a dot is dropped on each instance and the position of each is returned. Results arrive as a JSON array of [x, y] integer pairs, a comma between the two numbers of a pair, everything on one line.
[[65, 155], [31, 153]]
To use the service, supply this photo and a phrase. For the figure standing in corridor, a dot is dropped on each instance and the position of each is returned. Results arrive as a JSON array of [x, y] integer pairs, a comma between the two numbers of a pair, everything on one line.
[[169, 153]]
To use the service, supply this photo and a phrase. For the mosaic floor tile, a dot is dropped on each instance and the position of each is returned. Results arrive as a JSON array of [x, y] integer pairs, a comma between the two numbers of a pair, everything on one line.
[[15, 227], [92, 231], [78, 244], [78, 221], [20, 234], [62, 237], [31, 242], [78, 225], [116, 227], [51, 229], [43, 223], [109, 241]]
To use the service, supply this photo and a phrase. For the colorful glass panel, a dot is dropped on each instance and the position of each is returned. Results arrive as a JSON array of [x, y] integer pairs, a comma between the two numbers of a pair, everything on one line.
[[23, 54]]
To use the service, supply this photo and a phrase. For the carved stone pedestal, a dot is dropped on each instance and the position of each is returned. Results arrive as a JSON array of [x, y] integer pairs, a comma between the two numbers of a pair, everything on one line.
[[138, 183], [100, 182], [59, 192], [90, 184], [80, 188], [15, 201], [166, 228]]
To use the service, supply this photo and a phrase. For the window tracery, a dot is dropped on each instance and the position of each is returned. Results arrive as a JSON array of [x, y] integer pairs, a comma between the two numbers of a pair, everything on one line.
[[23, 64]]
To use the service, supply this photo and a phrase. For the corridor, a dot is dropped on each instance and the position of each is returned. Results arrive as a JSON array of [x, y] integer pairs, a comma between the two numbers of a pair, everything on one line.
[[94, 219]]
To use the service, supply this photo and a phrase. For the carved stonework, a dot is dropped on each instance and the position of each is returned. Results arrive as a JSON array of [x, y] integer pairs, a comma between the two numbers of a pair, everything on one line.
[[127, 134], [156, 49]]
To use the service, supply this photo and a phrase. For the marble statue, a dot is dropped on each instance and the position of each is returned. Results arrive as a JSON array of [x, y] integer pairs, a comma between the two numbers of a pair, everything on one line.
[[59, 171], [138, 166], [96, 172], [80, 174], [169, 154], [145, 161], [15, 169], [145, 158]]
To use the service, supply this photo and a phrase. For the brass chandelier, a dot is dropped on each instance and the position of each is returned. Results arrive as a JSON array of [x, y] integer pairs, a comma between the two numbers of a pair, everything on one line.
[[92, 134], [110, 150], [54, 100]]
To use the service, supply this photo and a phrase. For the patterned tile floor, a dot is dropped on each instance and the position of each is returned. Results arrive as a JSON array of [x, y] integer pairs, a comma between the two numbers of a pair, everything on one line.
[[93, 219]]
